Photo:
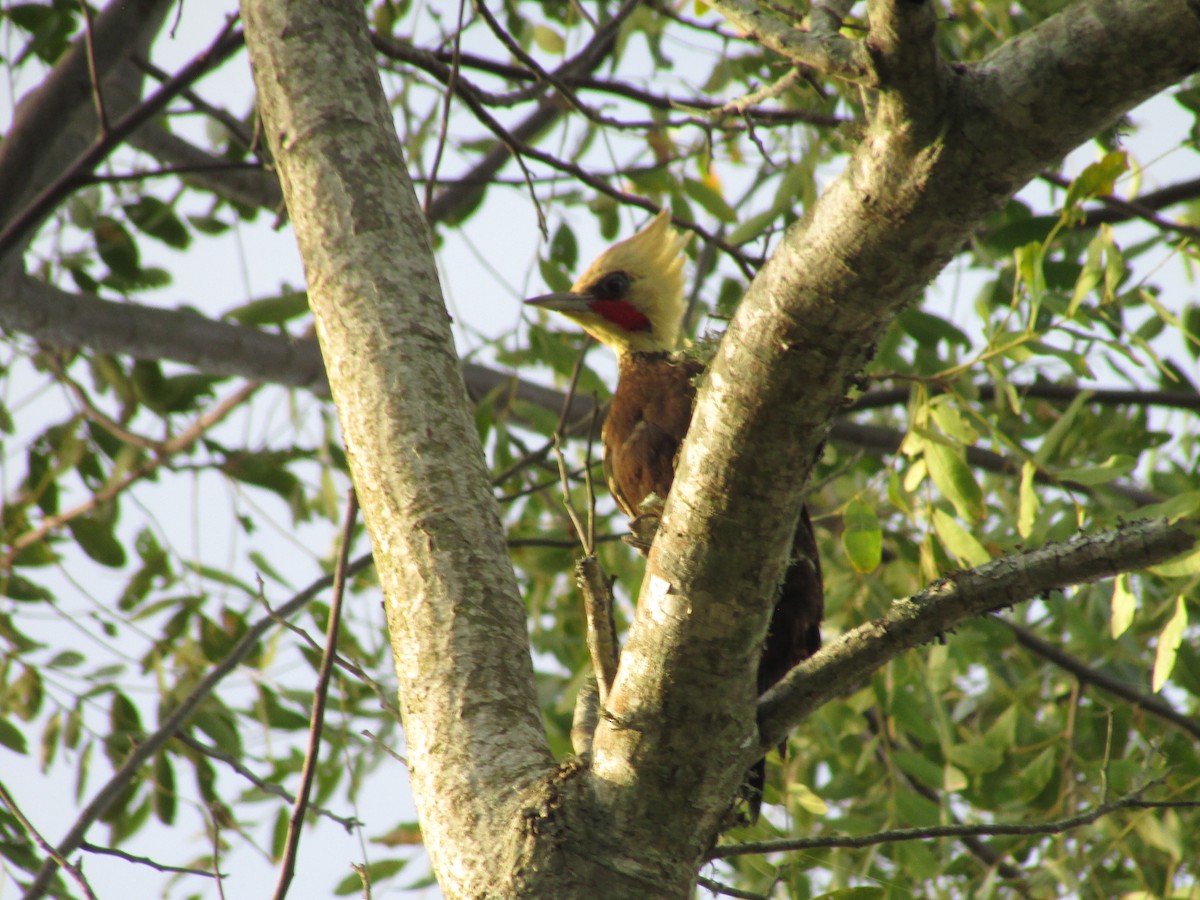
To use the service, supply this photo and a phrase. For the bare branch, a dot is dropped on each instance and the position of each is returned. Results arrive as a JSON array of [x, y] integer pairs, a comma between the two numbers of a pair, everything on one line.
[[287, 866], [997, 829], [843, 665], [153, 742], [16, 229], [55, 855], [828, 53]]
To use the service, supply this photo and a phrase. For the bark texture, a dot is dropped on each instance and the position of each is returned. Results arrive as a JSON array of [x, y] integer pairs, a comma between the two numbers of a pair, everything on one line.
[[945, 145], [475, 742]]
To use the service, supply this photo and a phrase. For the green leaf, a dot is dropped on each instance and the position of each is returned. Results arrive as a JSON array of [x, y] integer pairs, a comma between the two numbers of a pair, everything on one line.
[[157, 219], [751, 228], [1122, 606], [210, 225], [1112, 468], [556, 279], [955, 480], [1191, 329], [862, 538], [116, 247], [11, 737], [564, 249], [958, 541], [20, 588], [95, 537], [1059, 430], [271, 310], [928, 329], [1168, 646], [975, 758], [710, 199], [165, 798], [1033, 778], [1178, 507], [918, 767], [1182, 566]]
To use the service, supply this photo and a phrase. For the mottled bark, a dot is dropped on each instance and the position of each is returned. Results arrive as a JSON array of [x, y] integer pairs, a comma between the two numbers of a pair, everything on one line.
[[945, 145]]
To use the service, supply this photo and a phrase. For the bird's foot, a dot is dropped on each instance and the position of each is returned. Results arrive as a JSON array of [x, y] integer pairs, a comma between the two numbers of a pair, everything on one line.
[[642, 529]]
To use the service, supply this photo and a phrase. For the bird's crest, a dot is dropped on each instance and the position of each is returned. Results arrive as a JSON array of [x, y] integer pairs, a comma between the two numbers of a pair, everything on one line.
[[631, 296]]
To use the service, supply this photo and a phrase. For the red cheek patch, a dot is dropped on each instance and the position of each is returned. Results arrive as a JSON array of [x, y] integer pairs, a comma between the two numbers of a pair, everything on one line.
[[621, 313]]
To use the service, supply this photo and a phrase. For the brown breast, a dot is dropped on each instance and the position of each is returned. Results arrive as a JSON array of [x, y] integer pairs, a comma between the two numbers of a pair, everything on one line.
[[645, 426], [646, 423]]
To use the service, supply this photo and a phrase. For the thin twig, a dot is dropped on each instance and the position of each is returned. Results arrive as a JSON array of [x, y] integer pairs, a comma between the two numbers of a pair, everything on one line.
[[287, 866], [154, 741], [384, 747], [726, 890], [54, 854], [385, 702], [266, 787], [1156, 706], [41, 205], [447, 102], [1028, 829], [605, 651], [144, 861], [93, 71], [166, 450], [230, 122], [216, 851]]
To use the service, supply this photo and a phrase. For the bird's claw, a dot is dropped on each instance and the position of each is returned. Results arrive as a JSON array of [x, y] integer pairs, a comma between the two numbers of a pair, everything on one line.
[[642, 529]]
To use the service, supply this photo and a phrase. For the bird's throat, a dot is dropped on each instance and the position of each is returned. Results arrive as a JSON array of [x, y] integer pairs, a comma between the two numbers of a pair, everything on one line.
[[623, 314]]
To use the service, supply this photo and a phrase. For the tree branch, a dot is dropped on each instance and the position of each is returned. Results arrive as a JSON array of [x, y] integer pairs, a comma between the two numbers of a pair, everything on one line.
[[842, 666], [16, 229], [473, 728], [151, 743], [55, 122], [995, 829], [828, 53]]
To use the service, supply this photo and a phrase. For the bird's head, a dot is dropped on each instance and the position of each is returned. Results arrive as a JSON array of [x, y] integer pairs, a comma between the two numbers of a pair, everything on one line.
[[631, 297]]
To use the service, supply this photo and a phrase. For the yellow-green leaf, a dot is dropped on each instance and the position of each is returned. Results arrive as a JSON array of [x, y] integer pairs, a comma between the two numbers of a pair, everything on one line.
[[955, 480], [861, 536], [958, 541], [548, 39], [1168, 646], [1123, 605], [1180, 566], [1028, 502], [1112, 468], [952, 422], [803, 796], [1098, 178]]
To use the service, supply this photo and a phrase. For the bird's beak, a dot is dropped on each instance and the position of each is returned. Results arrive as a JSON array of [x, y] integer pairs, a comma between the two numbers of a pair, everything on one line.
[[564, 302]]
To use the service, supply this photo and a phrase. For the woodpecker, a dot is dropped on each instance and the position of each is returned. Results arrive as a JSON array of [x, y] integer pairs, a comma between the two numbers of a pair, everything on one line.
[[631, 300]]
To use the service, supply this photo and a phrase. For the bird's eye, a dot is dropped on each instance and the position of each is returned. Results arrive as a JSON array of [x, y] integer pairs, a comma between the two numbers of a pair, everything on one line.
[[613, 286]]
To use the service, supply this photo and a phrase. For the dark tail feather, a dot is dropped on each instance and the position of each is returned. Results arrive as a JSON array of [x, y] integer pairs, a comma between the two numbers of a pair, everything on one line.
[[794, 635], [756, 783]]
